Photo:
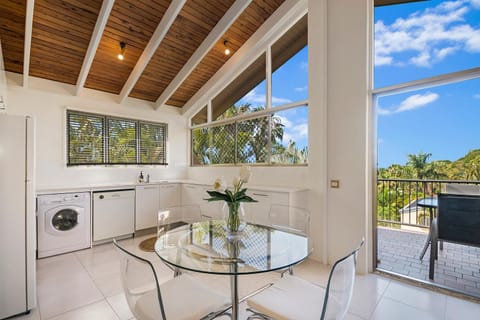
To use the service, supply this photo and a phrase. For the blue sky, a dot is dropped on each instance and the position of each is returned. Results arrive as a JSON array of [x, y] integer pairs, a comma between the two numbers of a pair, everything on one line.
[[420, 40]]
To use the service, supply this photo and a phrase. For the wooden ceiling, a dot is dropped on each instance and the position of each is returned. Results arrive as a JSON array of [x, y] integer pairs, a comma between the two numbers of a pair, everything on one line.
[[173, 47]]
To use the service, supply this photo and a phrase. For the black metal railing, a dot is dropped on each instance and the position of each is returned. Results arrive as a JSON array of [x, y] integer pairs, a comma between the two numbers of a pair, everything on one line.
[[397, 200]]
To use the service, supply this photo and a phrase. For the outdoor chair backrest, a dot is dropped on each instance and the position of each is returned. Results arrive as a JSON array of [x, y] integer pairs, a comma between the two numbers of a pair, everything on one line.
[[459, 218]]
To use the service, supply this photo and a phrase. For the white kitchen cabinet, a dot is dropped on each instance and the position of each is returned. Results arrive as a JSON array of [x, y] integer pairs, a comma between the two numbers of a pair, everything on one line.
[[170, 195], [147, 204], [195, 194]]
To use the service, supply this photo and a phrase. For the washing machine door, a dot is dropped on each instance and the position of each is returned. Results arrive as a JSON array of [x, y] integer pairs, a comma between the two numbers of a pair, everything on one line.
[[66, 220]]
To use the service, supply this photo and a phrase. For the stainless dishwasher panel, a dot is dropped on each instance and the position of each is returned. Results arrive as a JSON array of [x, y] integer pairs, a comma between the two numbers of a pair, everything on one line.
[[113, 214]]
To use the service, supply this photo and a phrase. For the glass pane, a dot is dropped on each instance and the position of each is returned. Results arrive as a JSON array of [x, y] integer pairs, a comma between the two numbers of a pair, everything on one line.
[[252, 140], [222, 149], [122, 141], [290, 65], [246, 93], [85, 138], [440, 123], [153, 143], [65, 220], [290, 136], [424, 39], [200, 146], [200, 117]]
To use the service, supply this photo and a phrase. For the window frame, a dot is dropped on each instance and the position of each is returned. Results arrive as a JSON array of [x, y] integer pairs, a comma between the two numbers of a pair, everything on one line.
[[106, 143], [240, 118], [269, 109]]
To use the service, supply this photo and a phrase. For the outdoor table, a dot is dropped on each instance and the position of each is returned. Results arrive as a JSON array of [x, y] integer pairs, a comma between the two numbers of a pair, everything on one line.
[[432, 204], [204, 247]]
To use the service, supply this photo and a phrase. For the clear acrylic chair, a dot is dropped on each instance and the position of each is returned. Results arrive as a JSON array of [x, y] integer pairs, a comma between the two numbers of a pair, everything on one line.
[[294, 298], [290, 219], [148, 300]]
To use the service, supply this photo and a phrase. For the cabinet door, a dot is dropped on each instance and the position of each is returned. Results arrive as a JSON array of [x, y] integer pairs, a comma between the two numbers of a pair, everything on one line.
[[192, 194], [258, 211], [147, 204], [170, 195]]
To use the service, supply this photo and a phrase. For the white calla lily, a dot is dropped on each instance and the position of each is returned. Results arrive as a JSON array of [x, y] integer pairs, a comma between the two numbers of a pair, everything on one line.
[[245, 173], [219, 184]]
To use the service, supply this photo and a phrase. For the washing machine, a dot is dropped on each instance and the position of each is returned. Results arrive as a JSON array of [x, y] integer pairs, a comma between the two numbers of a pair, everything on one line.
[[63, 223]]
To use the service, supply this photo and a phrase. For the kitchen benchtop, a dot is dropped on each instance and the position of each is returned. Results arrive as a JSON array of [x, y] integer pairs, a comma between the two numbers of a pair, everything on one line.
[[132, 185]]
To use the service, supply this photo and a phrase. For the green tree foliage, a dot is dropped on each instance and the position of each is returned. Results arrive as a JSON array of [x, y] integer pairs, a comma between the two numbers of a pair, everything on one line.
[[246, 141]]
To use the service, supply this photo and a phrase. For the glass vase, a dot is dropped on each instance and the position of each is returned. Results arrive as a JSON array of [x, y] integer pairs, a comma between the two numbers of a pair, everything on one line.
[[234, 216]]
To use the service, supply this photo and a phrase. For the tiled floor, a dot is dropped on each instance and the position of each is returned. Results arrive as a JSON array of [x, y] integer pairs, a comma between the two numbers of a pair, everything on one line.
[[458, 266], [86, 285]]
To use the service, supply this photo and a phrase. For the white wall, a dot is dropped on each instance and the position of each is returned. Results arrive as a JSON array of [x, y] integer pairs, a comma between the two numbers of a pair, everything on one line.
[[47, 101], [348, 114]]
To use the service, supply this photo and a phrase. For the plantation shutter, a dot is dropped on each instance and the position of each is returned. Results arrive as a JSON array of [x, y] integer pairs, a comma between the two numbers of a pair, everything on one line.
[[122, 141], [85, 138], [153, 138]]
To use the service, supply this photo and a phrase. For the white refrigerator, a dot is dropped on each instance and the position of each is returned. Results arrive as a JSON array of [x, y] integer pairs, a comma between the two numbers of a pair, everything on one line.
[[17, 215]]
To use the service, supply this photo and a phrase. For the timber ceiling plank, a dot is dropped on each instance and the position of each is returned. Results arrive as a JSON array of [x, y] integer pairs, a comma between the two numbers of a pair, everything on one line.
[[193, 24], [132, 22], [12, 33], [241, 30], [60, 37]]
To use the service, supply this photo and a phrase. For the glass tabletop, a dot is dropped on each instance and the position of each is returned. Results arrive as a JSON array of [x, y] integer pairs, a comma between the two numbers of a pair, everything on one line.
[[204, 247]]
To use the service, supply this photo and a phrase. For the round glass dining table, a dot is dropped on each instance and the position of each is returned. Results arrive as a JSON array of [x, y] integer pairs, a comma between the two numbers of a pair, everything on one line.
[[204, 247]]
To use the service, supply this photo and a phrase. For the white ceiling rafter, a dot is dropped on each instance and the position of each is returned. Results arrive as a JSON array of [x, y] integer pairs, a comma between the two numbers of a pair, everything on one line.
[[94, 42], [28, 41], [273, 28], [147, 54], [217, 32]]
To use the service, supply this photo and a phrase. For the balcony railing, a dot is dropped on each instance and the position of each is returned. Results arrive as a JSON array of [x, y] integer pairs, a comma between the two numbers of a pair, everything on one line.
[[397, 200]]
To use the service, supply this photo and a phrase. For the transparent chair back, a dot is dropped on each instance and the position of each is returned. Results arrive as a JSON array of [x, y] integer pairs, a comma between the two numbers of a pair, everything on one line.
[[139, 280], [172, 217], [340, 287], [292, 219]]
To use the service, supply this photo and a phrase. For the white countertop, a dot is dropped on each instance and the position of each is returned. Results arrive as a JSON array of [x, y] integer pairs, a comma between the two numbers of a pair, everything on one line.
[[132, 185]]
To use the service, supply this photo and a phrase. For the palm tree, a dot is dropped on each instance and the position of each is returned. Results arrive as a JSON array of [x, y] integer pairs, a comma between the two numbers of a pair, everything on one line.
[[419, 163]]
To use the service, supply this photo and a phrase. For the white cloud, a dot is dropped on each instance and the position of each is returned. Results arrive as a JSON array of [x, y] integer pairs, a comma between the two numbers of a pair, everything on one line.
[[427, 37], [294, 129], [475, 3], [304, 65], [300, 89], [476, 96], [254, 98], [411, 103]]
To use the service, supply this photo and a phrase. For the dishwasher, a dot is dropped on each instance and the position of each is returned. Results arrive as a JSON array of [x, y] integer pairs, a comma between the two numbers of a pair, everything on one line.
[[113, 214]]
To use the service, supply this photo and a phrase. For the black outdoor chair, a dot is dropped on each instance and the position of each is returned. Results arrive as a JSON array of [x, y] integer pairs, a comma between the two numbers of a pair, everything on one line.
[[457, 221]]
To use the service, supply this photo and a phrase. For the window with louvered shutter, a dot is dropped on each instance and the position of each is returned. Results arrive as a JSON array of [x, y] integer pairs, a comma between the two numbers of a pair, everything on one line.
[[122, 141], [85, 138], [94, 139], [152, 143]]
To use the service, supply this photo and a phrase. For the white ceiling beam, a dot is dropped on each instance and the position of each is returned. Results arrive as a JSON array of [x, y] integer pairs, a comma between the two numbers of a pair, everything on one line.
[[147, 54], [28, 41], [273, 28], [94, 43], [217, 32]]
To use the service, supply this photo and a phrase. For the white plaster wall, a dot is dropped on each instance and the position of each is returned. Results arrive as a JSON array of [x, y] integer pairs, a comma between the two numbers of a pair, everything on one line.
[[348, 78], [47, 101]]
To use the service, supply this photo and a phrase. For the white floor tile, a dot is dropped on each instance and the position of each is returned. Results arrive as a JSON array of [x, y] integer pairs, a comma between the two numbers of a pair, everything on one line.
[[33, 315], [388, 309], [363, 304], [350, 316], [97, 311], [461, 309], [120, 306], [419, 298], [64, 286]]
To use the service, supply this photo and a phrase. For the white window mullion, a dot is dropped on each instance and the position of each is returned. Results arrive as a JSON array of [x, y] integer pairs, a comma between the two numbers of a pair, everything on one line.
[[268, 76]]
